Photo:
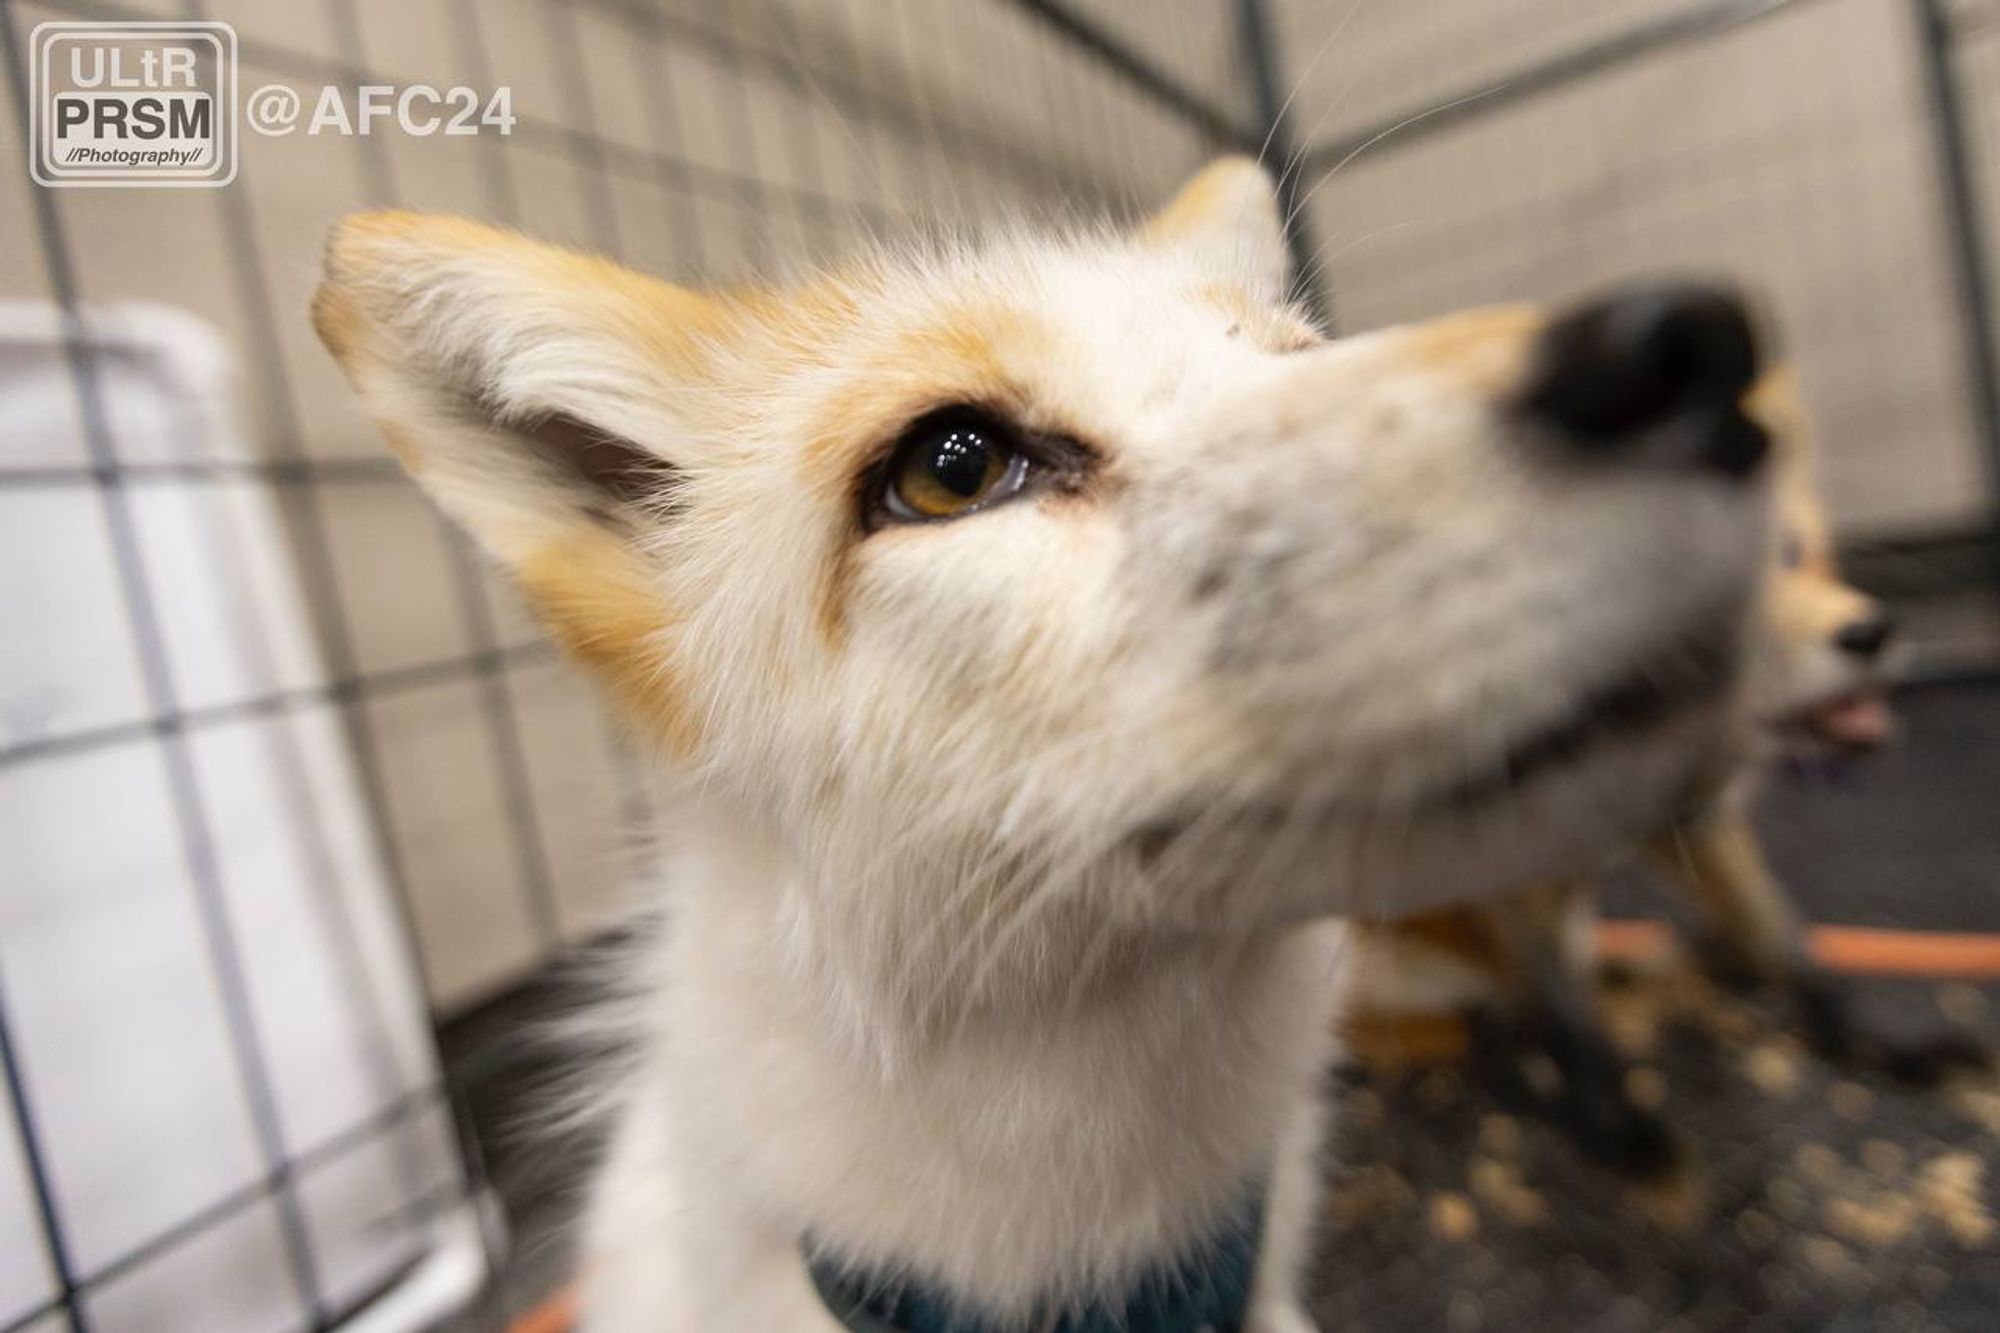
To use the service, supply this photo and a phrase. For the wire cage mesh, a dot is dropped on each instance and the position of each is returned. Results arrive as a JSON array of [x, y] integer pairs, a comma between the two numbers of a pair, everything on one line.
[[1789, 146], [390, 690]]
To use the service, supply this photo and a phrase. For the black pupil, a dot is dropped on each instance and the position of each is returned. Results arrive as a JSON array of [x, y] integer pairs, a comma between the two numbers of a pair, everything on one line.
[[959, 461]]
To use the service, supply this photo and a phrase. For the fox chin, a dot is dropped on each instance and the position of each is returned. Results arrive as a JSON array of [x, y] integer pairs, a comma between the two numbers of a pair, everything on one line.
[[1053, 637]]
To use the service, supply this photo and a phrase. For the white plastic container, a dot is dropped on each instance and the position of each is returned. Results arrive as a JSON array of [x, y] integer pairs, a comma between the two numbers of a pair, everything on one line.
[[223, 1107]]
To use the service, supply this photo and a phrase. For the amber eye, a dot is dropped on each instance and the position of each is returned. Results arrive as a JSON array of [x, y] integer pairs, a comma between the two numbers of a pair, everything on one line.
[[950, 466]]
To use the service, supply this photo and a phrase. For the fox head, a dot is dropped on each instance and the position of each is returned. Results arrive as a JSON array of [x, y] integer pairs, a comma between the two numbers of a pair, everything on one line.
[[1824, 656], [1058, 589]]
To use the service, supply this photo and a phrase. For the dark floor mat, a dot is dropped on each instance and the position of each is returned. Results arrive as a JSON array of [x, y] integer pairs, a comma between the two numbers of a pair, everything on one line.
[[1813, 1198], [1908, 837]]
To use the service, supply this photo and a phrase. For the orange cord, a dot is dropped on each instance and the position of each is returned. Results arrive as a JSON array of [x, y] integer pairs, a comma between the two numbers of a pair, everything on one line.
[[557, 1314], [1859, 950]]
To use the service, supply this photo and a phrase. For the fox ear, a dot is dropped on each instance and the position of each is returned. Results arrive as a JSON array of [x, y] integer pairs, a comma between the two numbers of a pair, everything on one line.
[[540, 397], [528, 389], [1778, 404], [1228, 215]]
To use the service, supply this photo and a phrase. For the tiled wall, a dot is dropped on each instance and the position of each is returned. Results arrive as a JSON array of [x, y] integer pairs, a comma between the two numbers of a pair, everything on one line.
[[1791, 154]]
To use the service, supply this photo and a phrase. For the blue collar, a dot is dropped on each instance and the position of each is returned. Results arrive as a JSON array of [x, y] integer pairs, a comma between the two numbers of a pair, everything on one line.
[[1208, 1293]]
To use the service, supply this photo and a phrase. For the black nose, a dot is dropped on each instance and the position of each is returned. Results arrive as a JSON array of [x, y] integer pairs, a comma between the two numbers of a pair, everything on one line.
[[1866, 637], [1614, 369]]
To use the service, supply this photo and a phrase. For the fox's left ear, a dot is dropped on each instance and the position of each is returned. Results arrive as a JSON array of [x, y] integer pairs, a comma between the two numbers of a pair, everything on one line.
[[550, 403], [1777, 403], [532, 391], [1228, 216]]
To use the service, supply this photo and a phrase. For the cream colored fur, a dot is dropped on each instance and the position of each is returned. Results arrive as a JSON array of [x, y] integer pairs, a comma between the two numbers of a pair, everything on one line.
[[997, 947]]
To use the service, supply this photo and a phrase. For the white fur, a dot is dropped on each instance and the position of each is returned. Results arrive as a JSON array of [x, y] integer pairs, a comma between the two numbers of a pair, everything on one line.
[[997, 951]]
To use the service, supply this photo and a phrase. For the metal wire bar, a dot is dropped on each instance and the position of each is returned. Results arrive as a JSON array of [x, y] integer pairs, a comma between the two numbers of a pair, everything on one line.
[[1966, 240], [270, 472], [1261, 54], [36, 1157], [1088, 36], [1441, 113], [343, 690]]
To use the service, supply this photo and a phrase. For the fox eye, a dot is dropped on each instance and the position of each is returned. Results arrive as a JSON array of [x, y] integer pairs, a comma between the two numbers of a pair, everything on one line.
[[952, 464], [1792, 553]]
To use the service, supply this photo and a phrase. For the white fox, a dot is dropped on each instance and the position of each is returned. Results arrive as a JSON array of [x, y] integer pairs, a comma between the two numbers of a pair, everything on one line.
[[1055, 635]]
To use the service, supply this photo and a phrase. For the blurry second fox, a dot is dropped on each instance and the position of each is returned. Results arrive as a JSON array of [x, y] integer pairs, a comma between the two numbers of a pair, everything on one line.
[[1523, 964]]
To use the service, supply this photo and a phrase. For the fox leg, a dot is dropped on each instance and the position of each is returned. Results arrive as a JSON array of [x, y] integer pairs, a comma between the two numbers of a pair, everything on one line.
[[1289, 1210], [1755, 935], [1548, 1009]]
